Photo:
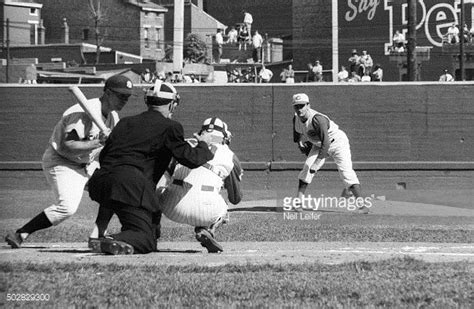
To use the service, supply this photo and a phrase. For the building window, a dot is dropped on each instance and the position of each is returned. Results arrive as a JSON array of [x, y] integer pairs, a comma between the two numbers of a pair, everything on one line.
[[85, 34], [34, 11], [33, 34], [146, 37], [157, 38]]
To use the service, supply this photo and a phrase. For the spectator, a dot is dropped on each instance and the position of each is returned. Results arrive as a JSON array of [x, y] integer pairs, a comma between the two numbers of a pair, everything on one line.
[[194, 80], [366, 77], [248, 20], [257, 42], [466, 34], [147, 76], [187, 79], [471, 33], [178, 78], [265, 75], [354, 78], [232, 36], [446, 77], [243, 37], [161, 76], [310, 76], [247, 75], [399, 42], [288, 75], [453, 34], [318, 71], [354, 61], [377, 75], [343, 75], [366, 63], [169, 77], [219, 43], [31, 74]]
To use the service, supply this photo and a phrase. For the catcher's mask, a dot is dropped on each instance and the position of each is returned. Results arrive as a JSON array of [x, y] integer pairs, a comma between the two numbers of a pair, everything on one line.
[[218, 128], [161, 93]]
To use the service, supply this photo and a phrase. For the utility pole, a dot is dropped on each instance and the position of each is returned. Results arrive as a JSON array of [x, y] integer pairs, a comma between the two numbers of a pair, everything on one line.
[[178, 35], [411, 45], [7, 76], [335, 42], [461, 43]]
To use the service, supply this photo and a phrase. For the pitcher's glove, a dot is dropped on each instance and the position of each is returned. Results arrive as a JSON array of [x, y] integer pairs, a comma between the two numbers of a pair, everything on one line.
[[305, 147]]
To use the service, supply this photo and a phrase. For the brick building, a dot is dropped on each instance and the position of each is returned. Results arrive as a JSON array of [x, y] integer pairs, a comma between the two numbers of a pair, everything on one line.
[[131, 26], [24, 22]]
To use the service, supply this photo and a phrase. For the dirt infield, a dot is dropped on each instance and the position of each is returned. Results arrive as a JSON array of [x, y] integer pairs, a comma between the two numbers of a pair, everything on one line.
[[380, 207], [188, 253], [238, 253]]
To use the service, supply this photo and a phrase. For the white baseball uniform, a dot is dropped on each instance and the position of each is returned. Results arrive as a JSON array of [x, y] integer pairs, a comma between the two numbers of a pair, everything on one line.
[[68, 172], [193, 195], [339, 149]]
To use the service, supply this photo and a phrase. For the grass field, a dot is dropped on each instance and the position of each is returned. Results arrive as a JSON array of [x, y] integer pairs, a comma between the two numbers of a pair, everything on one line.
[[402, 282], [396, 283]]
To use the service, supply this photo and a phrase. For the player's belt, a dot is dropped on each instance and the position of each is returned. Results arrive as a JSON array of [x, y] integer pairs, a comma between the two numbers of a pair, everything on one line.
[[214, 170], [180, 182]]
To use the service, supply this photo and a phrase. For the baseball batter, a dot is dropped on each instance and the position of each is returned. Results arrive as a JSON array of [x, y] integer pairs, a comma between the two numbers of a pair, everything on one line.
[[323, 139], [72, 154], [193, 195]]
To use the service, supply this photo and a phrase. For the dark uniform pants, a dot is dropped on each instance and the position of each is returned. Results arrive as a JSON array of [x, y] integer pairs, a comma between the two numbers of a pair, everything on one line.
[[137, 227]]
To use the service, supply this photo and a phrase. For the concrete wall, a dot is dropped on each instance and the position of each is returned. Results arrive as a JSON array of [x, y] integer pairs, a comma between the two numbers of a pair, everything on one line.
[[390, 125]]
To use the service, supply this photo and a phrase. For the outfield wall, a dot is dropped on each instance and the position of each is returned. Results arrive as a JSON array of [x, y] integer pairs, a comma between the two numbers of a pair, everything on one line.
[[407, 126]]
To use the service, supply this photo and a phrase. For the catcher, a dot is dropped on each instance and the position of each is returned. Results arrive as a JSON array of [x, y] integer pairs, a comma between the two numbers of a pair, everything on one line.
[[193, 195]]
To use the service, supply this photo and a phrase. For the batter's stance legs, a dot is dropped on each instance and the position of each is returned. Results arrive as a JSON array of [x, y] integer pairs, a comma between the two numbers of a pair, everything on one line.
[[39, 222]]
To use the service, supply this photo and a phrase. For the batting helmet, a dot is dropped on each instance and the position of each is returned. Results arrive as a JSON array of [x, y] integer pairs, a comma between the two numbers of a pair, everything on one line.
[[161, 93], [217, 127]]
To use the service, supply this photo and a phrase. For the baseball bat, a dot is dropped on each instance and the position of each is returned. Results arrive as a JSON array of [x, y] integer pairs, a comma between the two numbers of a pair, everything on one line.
[[82, 100]]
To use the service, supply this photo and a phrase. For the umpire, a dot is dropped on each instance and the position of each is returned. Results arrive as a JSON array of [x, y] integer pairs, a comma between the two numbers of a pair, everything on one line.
[[134, 158]]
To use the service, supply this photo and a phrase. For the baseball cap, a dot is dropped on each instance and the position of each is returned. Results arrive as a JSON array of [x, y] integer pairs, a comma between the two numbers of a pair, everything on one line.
[[120, 84], [300, 98]]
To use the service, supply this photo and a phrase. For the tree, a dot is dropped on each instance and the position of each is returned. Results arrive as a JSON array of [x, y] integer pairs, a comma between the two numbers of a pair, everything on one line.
[[195, 49], [99, 16]]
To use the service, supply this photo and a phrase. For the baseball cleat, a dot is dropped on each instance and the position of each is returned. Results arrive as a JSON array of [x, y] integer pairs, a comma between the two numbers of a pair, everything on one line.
[[14, 240], [94, 244], [207, 241], [114, 247]]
